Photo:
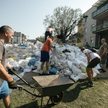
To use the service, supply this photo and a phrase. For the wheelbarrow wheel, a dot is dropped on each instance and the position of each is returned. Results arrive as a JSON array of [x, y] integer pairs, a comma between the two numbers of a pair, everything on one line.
[[57, 99]]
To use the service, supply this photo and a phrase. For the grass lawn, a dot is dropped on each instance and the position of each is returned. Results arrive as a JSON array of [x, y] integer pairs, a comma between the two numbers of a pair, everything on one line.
[[76, 96]]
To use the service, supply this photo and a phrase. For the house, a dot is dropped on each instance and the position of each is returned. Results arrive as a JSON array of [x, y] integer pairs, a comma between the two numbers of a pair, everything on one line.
[[100, 29], [18, 38], [87, 24]]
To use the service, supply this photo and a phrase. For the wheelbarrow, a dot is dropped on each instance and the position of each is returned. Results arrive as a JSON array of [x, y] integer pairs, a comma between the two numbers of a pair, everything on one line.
[[49, 85]]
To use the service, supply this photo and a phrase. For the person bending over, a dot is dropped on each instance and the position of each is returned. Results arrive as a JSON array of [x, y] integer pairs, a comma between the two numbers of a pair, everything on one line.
[[93, 59]]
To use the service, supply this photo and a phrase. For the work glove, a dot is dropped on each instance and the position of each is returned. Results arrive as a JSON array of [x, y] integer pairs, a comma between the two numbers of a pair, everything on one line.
[[12, 84], [10, 71], [102, 55]]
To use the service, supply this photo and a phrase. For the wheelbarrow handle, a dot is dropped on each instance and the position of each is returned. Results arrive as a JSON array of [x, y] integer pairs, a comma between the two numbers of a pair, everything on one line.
[[20, 87], [22, 79]]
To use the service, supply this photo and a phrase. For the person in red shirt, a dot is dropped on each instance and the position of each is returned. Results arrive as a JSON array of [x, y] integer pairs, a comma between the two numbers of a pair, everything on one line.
[[45, 53]]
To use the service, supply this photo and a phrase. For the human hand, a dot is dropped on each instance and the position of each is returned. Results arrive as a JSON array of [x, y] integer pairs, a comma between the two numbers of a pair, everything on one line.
[[102, 55], [12, 84]]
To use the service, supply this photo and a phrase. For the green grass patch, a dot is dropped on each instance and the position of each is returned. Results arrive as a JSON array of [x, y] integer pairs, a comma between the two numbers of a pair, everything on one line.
[[76, 96]]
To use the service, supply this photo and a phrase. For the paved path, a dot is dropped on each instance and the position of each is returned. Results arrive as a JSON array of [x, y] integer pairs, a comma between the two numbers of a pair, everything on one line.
[[103, 74], [28, 76]]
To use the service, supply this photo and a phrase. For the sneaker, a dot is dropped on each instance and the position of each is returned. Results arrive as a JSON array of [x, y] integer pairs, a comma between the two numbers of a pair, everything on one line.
[[103, 70], [89, 84], [48, 72], [100, 69]]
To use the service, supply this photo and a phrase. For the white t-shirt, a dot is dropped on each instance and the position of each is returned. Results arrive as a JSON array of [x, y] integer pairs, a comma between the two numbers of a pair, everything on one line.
[[91, 54], [49, 29]]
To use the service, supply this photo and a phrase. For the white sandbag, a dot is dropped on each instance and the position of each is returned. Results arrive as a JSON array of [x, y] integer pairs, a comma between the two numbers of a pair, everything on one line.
[[69, 64], [55, 59], [76, 70], [98, 66], [67, 72], [74, 77], [52, 63], [53, 51], [77, 62], [27, 69], [96, 71], [82, 67], [83, 64], [94, 74], [82, 75], [62, 56], [38, 53], [36, 71], [16, 78], [61, 73], [16, 58]]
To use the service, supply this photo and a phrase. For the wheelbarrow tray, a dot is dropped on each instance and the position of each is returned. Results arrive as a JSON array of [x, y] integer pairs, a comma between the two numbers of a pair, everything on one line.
[[51, 85]]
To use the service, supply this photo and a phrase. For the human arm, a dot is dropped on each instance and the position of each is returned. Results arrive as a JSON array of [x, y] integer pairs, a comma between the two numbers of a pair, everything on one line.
[[51, 45], [51, 32], [5, 76], [55, 40], [105, 50], [10, 70], [7, 66], [88, 58]]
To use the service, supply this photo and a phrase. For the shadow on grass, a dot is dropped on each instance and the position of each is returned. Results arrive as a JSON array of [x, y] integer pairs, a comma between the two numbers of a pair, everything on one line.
[[35, 105], [30, 105], [73, 94], [100, 78]]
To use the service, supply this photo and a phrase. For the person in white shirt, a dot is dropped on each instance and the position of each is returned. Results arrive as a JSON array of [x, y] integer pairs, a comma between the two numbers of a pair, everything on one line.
[[93, 60], [48, 32]]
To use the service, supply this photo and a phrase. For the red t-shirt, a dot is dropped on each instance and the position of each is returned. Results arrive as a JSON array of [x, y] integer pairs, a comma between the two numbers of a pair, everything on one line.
[[46, 46]]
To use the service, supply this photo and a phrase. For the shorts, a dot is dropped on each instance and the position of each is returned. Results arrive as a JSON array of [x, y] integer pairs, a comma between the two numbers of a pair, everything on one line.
[[63, 39], [59, 36], [103, 59], [45, 56], [4, 90], [93, 62]]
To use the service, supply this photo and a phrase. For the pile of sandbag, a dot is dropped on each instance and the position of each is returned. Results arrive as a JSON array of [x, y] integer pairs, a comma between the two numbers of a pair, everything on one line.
[[67, 60], [71, 63], [16, 52]]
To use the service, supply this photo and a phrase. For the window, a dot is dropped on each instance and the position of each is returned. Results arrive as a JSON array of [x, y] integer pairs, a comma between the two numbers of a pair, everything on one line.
[[91, 39], [85, 30], [86, 19], [92, 27]]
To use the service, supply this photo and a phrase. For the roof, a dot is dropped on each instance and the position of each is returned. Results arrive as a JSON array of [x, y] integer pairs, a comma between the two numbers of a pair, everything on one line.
[[98, 3]]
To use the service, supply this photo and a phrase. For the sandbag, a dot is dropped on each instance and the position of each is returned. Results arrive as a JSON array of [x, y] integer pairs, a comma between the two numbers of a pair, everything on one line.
[[74, 77], [76, 70]]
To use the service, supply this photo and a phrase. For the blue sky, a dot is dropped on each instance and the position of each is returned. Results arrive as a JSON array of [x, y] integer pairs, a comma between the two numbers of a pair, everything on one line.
[[27, 16]]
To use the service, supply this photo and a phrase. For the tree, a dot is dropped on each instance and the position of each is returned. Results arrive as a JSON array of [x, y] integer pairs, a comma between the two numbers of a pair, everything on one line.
[[64, 19], [41, 39]]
